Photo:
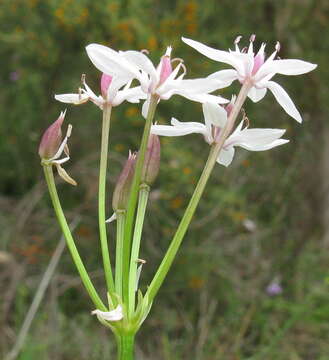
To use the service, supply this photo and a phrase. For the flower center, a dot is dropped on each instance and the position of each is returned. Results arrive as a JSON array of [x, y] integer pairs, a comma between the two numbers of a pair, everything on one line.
[[166, 69], [105, 84], [258, 62]]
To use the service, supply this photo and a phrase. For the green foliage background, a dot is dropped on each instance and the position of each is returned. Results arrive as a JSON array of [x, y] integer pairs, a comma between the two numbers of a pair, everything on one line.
[[213, 305]]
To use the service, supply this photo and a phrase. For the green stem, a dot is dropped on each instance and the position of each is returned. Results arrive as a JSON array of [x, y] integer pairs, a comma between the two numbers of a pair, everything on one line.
[[69, 239], [102, 199], [189, 212], [142, 202], [125, 343], [121, 218], [131, 208]]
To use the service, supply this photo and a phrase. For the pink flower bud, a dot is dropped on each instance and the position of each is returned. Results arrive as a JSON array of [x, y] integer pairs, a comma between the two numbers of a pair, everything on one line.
[[152, 160], [51, 139], [122, 187], [165, 65], [105, 84]]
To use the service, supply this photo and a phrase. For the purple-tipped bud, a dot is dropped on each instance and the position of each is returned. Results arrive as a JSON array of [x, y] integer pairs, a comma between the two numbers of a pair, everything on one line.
[[152, 160], [122, 187], [51, 139], [105, 84], [165, 64]]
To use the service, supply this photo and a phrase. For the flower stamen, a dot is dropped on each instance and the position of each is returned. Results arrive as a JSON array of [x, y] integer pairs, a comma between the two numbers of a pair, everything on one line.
[[277, 46]]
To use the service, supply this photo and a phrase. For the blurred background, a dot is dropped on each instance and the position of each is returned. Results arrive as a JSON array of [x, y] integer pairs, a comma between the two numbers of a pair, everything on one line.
[[251, 280]]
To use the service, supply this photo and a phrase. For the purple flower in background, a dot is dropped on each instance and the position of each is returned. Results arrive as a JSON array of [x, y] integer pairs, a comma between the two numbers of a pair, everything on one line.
[[14, 76], [274, 288]]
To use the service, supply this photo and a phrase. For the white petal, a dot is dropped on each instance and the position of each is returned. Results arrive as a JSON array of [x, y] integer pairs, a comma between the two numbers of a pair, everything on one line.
[[202, 98], [250, 138], [72, 98], [115, 85], [114, 315], [256, 94], [217, 55], [142, 62], [264, 147], [261, 136], [178, 123], [284, 100], [214, 115], [256, 139], [199, 86], [179, 129], [293, 67], [110, 62], [132, 95], [226, 156], [253, 136], [225, 76]]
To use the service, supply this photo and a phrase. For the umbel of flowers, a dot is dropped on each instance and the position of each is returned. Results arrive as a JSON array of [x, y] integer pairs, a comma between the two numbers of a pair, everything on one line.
[[131, 76]]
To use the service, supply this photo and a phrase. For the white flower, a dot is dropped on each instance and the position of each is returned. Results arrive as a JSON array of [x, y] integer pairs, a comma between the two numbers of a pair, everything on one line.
[[252, 68], [111, 93], [162, 80], [114, 315], [215, 118]]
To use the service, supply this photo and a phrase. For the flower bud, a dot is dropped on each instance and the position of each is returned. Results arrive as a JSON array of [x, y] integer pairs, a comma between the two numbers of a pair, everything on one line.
[[152, 160], [165, 65], [105, 84], [122, 187], [51, 139]]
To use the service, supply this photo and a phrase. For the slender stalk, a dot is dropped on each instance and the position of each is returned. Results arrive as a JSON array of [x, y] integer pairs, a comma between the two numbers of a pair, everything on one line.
[[125, 343], [102, 199], [189, 212], [131, 208], [142, 202], [69, 239], [121, 218]]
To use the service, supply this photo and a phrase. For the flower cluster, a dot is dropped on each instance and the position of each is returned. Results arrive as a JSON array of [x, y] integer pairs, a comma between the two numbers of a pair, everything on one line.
[[120, 68], [131, 76]]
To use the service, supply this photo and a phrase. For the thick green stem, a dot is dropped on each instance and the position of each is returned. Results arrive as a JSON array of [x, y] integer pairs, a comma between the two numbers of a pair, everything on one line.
[[131, 208], [102, 198], [142, 202], [121, 218], [125, 343], [69, 239], [189, 212]]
